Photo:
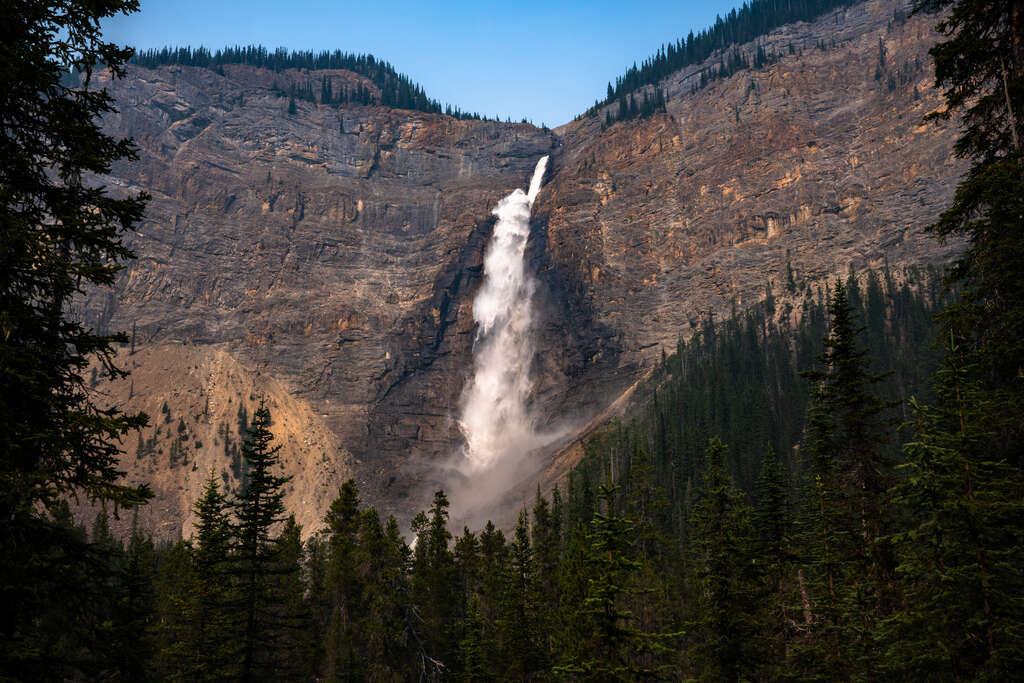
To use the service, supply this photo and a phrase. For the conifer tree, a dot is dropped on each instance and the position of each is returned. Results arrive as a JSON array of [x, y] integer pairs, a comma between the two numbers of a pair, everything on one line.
[[572, 627], [611, 643], [545, 535], [468, 562], [391, 648], [772, 523], [60, 232], [138, 607], [175, 625], [981, 67], [435, 588], [961, 555], [485, 607], [258, 508], [288, 611], [518, 632], [846, 517], [208, 651], [342, 602], [604, 654], [725, 594]]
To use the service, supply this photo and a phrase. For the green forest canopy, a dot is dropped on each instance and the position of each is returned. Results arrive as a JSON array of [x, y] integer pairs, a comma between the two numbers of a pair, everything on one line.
[[396, 89], [752, 20], [747, 23]]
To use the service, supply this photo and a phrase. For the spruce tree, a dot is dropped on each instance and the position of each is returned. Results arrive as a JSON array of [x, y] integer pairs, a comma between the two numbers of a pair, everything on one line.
[[545, 536], [288, 613], [135, 613], [60, 232], [435, 589], [603, 654], [772, 523], [520, 650], [961, 555], [209, 649], [486, 605], [610, 646], [342, 602], [258, 508], [175, 624], [393, 654], [572, 626], [725, 585], [846, 517], [980, 66]]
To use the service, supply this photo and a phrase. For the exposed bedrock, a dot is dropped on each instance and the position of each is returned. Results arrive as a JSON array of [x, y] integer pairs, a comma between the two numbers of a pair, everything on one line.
[[337, 250]]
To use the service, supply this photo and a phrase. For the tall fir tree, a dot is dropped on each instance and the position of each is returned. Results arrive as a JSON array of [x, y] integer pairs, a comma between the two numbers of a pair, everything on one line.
[[961, 553], [210, 651], [259, 507], [980, 67], [545, 534], [726, 597], [772, 523], [846, 519], [435, 589], [382, 562], [521, 650], [175, 624], [60, 232], [342, 602], [289, 617]]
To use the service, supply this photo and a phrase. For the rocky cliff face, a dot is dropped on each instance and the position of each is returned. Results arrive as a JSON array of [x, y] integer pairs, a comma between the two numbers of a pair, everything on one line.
[[335, 252]]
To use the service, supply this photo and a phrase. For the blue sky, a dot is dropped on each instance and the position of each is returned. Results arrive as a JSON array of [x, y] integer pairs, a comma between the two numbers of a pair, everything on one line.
[[546, 61]]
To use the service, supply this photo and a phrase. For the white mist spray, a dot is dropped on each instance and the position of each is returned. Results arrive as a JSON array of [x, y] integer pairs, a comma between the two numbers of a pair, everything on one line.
[[495, 419]]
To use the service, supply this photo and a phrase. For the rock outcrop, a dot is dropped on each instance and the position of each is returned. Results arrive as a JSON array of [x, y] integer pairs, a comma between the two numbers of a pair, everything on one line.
[[335, 252]]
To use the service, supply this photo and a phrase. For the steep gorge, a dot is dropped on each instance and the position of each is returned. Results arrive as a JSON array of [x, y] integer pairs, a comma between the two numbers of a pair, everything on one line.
[[336, 252]]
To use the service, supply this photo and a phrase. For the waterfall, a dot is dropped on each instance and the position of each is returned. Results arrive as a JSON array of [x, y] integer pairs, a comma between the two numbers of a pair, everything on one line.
[[495, 419]]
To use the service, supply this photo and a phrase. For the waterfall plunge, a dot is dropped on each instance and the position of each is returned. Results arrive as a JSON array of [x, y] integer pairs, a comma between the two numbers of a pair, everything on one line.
[[495, 420]]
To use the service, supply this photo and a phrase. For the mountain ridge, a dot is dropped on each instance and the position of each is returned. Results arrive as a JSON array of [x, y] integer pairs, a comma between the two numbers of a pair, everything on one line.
[[337, 249]]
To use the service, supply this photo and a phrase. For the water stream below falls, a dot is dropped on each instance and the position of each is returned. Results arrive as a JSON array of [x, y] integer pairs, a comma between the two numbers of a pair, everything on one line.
[[495, 419]]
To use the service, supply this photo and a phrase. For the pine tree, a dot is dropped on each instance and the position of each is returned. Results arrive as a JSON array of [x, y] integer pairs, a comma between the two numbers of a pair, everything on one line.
[[209, 648], [60, 232], [772, 522], [258, 508], [391, 652], [435, 589], [288, 613], [135, 612], [981, 67], [726, 597], [545, 536], [519, 647], [485, 606], [175, 624], [610, 643], [846, 516], [961, 556], [343, 600]]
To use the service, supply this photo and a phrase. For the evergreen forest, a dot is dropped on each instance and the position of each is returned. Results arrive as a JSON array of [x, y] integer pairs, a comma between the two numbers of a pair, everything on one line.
[[391, 88], [752, 20], [828, 486]]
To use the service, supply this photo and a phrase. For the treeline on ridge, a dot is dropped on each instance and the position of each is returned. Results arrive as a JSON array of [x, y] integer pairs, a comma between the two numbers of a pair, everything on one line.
[[750, 21], [396, 89]]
